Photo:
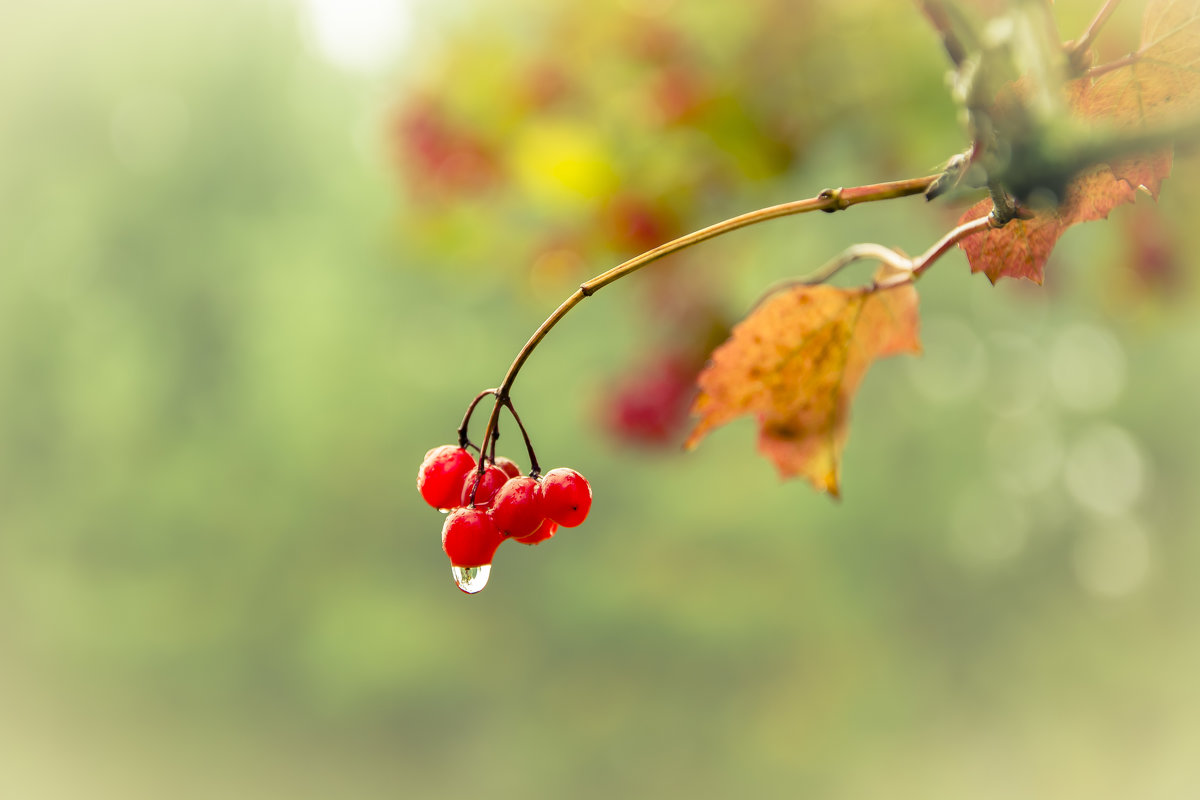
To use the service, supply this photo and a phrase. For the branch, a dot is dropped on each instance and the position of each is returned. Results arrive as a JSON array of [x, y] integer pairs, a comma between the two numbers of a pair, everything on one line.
[[894, 259], [947, 243], [1132, 58], [899, 268], [1077, 49], [829, 200], [1123, 61], [942, 17]]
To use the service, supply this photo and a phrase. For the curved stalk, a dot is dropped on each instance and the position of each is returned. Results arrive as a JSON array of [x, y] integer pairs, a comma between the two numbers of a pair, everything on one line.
[[463, 441], [829, 200], [947, 242]]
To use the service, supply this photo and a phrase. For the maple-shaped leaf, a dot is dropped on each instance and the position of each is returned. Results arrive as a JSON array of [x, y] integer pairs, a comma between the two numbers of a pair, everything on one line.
[[795, 363], [1020, 249], [1160, 81]]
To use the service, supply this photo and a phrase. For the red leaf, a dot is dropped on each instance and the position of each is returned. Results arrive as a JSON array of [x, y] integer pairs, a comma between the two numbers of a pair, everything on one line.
[[1020, 248]]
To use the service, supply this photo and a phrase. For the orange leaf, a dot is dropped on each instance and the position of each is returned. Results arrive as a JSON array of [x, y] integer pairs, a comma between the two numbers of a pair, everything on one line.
[[795, 363], [1161, 81]]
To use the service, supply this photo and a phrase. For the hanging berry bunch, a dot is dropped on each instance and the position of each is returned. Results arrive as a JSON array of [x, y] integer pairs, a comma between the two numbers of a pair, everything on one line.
[[1054, 141], [488, 499]]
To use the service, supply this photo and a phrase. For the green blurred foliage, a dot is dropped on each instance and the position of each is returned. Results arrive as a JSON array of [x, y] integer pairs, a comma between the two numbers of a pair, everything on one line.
[[220, 364], [540, 138]]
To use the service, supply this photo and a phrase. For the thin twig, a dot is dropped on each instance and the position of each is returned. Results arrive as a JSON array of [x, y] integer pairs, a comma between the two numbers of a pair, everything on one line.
[[1123, 61], [534, 468], [899, 264], [902, 268], [463, 441], [1077, 48], [853, 253], [829, 200], [940, 17], [947, 243], [857, 252]]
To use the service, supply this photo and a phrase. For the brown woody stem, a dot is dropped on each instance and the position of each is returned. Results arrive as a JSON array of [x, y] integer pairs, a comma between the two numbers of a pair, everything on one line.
[[829, 200], [947, 243], [1124, 61], [941, 17], [1079, 47]]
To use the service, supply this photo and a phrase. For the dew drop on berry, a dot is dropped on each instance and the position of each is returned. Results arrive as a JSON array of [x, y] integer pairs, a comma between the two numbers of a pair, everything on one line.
[[471, 579]]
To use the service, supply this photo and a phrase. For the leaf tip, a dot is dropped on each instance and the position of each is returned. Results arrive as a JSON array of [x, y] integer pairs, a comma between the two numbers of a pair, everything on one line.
[[831, 485]]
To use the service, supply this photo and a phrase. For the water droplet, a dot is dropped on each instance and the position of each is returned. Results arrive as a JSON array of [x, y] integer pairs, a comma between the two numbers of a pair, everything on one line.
[[443, 511], [471, 579]]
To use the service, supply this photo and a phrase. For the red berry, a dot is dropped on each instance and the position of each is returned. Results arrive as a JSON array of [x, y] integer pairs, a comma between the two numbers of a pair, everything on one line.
[[649, 405], [491, 481], [517, 507], [439, 154], [638, 224], [441, 476], [566, 497], [543, 533], [470, 538], [509, 466]]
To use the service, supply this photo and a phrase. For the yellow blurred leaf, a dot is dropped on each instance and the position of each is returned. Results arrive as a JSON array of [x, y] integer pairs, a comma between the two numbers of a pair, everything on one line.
[[562, 162]]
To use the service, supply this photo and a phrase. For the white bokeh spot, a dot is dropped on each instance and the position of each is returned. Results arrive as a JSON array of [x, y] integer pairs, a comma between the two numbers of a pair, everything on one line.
[[358, 35], [1105, 469]]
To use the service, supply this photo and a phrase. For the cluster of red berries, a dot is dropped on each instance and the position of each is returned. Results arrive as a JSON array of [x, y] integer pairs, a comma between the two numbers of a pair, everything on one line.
[[486, 507]]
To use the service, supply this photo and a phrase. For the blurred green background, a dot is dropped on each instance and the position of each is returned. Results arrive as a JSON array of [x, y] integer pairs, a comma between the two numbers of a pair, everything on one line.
[[230, 325]]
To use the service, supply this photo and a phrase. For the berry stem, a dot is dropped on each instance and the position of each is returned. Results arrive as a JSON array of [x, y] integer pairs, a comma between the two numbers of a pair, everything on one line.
[[463, 441], [829, 200], [487, 455], [534, 468]]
